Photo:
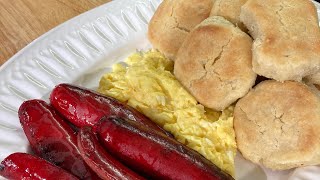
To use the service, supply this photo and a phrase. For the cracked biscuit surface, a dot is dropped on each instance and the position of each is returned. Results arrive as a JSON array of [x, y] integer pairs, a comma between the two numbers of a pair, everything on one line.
[[277, 125], [214, 63], [172, 22], [286, 37], [229, 9]]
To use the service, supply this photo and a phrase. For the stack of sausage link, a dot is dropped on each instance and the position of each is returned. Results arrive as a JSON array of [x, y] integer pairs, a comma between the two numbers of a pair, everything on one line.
[[84, 135]]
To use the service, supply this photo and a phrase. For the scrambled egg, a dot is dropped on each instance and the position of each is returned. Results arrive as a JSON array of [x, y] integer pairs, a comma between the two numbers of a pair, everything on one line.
[[147, 84]]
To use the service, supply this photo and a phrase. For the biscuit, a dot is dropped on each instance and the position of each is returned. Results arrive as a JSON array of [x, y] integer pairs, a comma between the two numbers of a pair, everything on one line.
[[173, 20], [286, 37], [278, 125], [229, 9], [214, 63]]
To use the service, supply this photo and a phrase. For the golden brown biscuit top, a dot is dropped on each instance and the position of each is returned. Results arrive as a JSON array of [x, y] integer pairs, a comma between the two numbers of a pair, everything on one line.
[[173, 20], [278, 125], [229, 9], [214, 63], [286, 37]]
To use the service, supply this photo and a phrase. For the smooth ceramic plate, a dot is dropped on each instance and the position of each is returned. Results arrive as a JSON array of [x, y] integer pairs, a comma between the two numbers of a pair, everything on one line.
[[80, 51]]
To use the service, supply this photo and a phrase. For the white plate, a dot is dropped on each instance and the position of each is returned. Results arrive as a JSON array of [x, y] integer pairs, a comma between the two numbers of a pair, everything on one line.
[[79, 51]]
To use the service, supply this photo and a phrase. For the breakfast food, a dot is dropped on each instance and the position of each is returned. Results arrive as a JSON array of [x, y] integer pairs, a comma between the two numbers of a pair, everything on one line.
[[214, 63], [148, 85], [51, 138], [80, 151], [229, 9], [286, 37], [277, 125], [101, 161], [84, 107], [19, 166], [173, 20], [163, 157]]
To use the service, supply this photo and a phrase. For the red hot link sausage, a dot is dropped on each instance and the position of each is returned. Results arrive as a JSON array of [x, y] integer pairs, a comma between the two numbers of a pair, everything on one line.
[[84, 107], [100, 161], [51, 138], [19, 166], [153, 153]]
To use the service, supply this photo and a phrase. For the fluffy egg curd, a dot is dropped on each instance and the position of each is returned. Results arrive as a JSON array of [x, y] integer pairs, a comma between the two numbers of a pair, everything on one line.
[[147, 84]]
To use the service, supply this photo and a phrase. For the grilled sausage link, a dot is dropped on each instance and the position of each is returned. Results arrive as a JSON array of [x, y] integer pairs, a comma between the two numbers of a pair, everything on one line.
[[84, 107], [19, 166], [100, 161], [52, 138], [154, 154]]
